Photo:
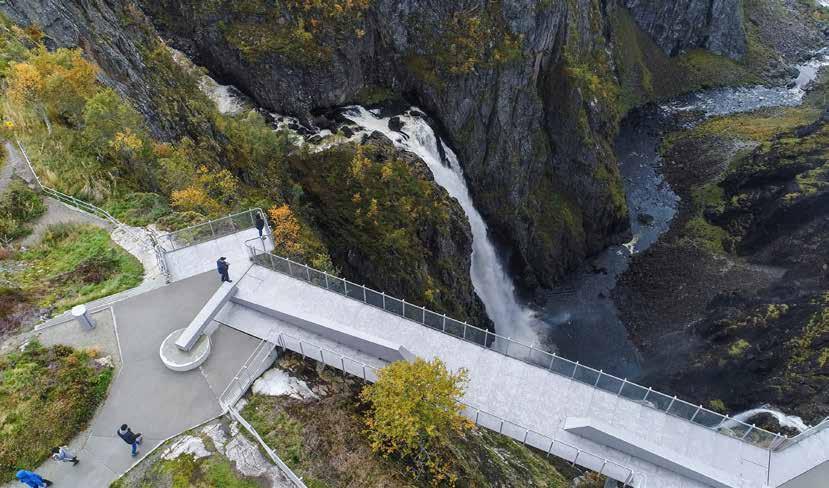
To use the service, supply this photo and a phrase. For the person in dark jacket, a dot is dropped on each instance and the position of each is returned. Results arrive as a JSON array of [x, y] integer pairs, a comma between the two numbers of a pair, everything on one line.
[[260, 224], [223, 267], [32, 479], [126, 434]]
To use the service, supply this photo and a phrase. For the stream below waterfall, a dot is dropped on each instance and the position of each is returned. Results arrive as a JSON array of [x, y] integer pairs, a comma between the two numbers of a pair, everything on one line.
[[583, 321]]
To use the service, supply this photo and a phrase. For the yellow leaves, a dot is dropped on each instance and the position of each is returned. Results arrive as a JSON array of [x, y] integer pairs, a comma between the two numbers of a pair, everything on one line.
[[25, 83], [359, 163], [414, 410], [127, 141], [195, 200], [386, 171], [286, 230]]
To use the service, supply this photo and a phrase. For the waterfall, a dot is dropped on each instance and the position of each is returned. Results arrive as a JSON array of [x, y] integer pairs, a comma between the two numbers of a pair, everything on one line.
[[492, 283], [790, 421]]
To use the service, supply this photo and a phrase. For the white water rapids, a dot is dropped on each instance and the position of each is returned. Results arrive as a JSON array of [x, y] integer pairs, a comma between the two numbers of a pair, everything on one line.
[[790, 421], [492, 283]]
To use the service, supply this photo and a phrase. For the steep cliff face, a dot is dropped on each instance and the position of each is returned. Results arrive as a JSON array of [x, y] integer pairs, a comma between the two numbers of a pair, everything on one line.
[[422, 256], [117, 37], [523, 89], [678, 25]]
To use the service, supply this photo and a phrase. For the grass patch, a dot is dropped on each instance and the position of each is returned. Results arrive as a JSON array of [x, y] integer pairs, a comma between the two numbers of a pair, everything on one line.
[[139, 209], [75, 264], [47, 396]]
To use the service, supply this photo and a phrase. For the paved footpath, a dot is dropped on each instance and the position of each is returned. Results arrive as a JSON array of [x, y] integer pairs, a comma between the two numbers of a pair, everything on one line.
[[152, 399]]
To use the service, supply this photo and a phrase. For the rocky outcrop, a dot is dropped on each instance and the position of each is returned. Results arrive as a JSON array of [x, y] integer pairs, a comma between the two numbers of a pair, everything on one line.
[[750, 345], [400, 232], [518, 86], [680, 25]]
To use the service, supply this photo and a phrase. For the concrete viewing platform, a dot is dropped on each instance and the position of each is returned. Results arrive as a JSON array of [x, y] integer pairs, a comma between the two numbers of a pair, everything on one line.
[[629, 440], [660, 450]]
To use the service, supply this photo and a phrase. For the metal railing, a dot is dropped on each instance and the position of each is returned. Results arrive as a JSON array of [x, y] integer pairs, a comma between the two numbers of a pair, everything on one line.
[[212, 229], [823, 425], [296, 480], [251, 370], [620, 387], [100, 213], [481, 418]]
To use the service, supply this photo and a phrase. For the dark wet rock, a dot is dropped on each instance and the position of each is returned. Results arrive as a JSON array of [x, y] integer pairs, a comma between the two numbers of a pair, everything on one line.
[[346, 131], [395, 124]]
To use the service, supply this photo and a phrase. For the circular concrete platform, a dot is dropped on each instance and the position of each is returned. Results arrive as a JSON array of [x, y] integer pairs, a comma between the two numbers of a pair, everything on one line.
[[178, 360]]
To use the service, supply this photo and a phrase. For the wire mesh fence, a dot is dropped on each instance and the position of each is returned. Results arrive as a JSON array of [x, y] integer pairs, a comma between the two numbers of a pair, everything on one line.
[[210, 230]]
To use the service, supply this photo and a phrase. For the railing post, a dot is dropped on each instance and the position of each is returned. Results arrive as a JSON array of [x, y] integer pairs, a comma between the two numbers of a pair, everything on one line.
[[342, 362], [596, 384], [576, 459], [423, 315], [325, 273], [647, 393], [464, 330], [501, 426], [212, 232], [747, 432], [444, 322], [622, 387], [509, 343], [525, 436], [301, 350], [575, 367], [384, 299], [477, 413], [403, 301], [552, 360], [695, 413], [670, 404], [308, 273], [365, 300], [290, 268]]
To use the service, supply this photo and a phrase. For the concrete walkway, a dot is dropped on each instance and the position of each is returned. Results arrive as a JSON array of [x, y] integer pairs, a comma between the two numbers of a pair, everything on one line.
[[150, 398], [515, 391]]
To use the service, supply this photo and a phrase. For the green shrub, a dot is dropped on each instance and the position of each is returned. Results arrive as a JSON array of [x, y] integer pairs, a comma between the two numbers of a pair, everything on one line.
[[179, 220], [414, 412], [18, 206], [139, 209]]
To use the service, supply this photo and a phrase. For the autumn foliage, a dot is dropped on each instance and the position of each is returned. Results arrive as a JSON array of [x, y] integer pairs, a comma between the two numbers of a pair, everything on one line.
[[414, 413]]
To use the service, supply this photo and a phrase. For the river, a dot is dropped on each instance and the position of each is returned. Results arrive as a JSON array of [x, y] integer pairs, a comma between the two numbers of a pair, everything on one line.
[[583, 321]]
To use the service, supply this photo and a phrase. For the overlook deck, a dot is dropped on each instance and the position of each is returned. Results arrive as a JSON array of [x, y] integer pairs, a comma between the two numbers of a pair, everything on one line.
[[633, 441]]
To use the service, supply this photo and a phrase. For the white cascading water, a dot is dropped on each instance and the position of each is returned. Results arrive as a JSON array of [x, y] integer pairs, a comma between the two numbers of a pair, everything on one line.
[[492, 284], [790, 421]]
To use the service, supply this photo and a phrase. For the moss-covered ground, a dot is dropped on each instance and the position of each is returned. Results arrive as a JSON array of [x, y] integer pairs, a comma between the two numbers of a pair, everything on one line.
[[72, 264], [47, 396], [324, 441]]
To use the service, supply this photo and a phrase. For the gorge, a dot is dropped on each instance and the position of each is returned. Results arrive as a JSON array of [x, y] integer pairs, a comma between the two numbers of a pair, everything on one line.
[[552, 125]]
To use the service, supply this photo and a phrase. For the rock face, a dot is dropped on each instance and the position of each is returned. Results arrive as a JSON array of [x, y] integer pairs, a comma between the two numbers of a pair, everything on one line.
[[518, 86], [678, 25], [417, 246], [112, 33]]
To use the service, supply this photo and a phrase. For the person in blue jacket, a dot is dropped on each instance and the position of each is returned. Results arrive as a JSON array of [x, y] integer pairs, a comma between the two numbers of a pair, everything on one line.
[[222, 266], [32, 479]]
